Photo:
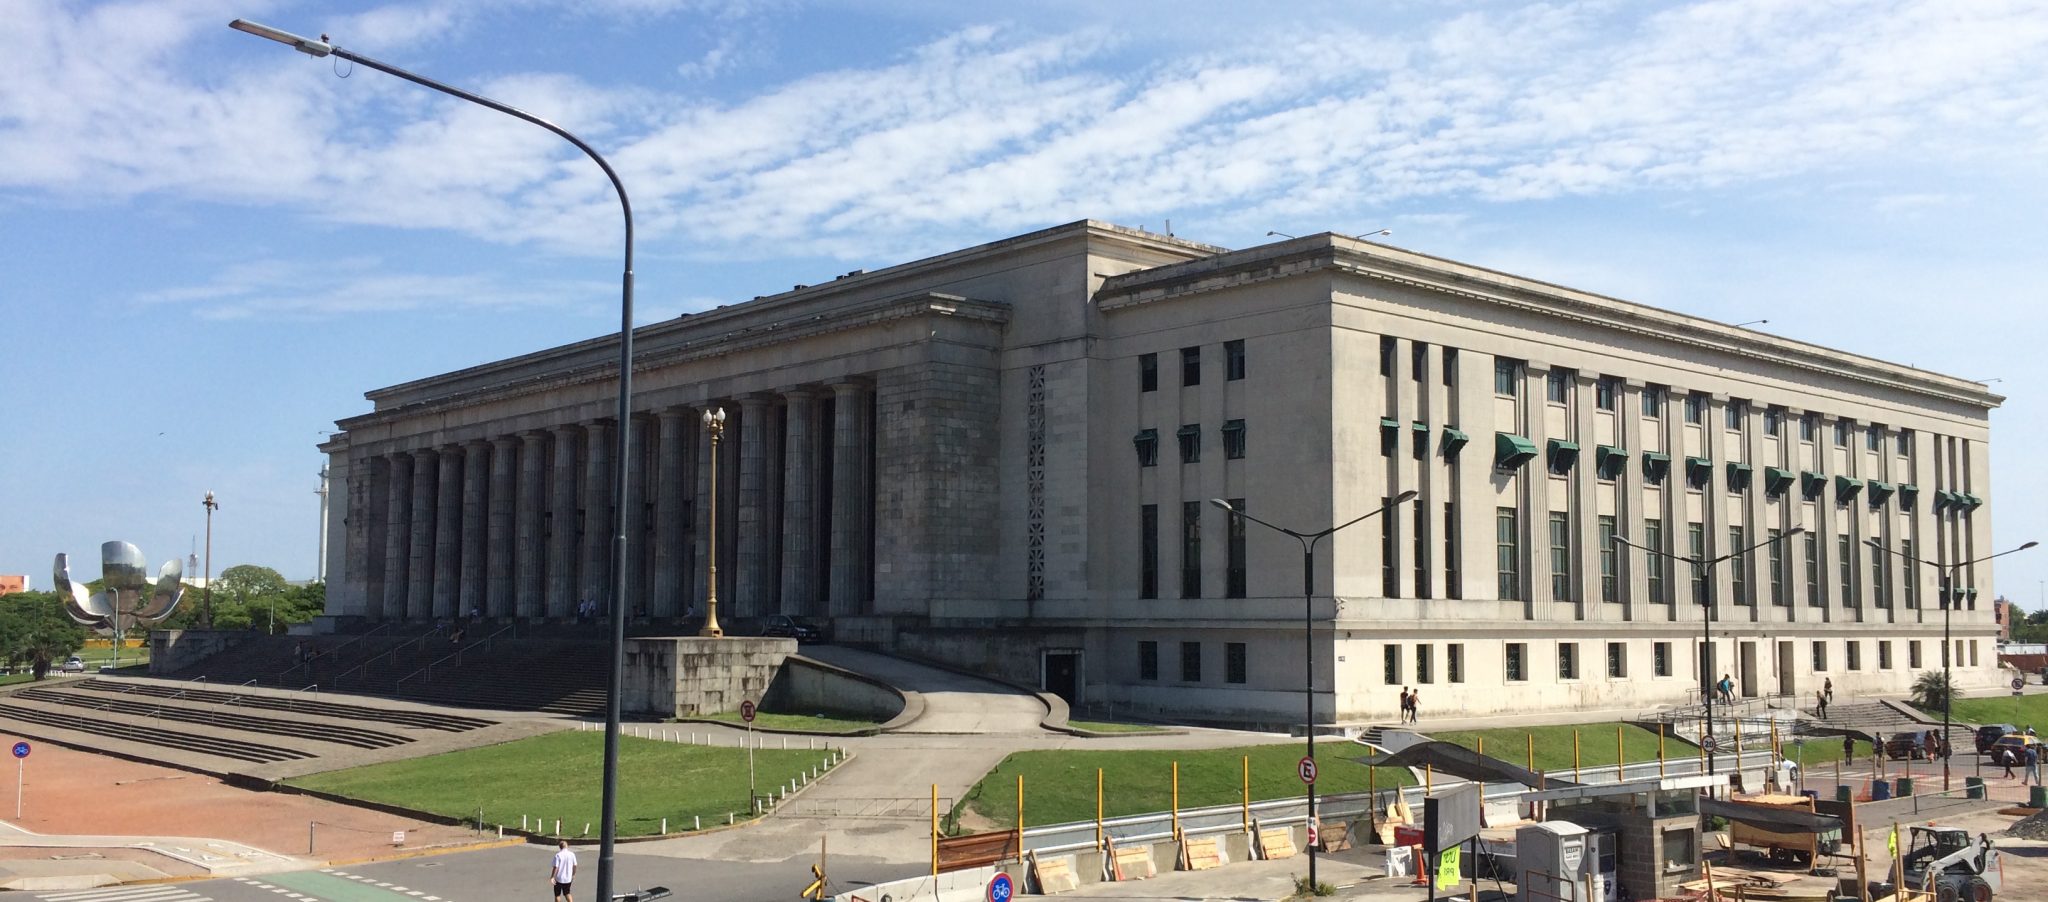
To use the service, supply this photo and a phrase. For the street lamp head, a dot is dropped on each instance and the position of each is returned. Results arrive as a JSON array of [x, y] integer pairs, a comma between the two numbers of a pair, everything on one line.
[[1223, 504], [2028, 545], [714, 417], [1794, 531], [307, 46], [1618, 538], [1405, 496], [1874, 543]]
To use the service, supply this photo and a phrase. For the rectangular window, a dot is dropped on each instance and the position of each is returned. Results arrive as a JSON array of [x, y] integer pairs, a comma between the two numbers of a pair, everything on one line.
[[1450, 366], [1884, 655], [1390, 659], [1731, 415], [1390, 561], [1660, 658], [1452, 589], [1233, 439], [1617, 660], [1774, 420], [1567, 660], [1695, 408], [1853, 656], [1418, 361], [1419, 446], [1148, 660], [1507, 377], [1738, 567], [1777, 564], [1912, 568], [1560, 556], [1905, 440], [1517, 663], [1190, 443], [1425, 664], [1233, 364], [1235, 585], [1191, 662], [1973, 653], [1558, 386], [1809, 424], [1696, 546], [1148, 551], [1233, 662], [1454, 662], [1842, 428], [1879, 586], [1820, 657], [1653, 400], [1845, 567], [1653, 537], [1190, 367], [1913, 654], [1147, 444], [1418, 518], [1812, 571], [1873, 437], [1610, 578], [1605, 391], [1387, 345], [1148, 372], [1191, 549], [1507, 554], [1390, 441]]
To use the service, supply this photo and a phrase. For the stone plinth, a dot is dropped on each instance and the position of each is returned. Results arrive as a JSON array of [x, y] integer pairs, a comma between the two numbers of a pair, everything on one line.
[[691, 676], [173, 650]]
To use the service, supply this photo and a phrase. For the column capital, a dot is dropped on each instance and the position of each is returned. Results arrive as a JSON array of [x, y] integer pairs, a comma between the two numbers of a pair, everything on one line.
[[448, 451], [812, 392], [502, 441]]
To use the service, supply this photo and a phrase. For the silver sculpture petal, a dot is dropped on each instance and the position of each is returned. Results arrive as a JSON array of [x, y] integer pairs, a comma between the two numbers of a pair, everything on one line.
[[76, 602], [121, 605]]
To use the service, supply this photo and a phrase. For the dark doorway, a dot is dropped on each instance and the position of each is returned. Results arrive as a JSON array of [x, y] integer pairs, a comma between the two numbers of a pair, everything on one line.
[[1062, 675]]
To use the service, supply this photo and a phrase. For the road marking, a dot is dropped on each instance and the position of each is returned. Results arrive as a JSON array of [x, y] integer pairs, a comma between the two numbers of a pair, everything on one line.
[[144, 893], [340, 886]]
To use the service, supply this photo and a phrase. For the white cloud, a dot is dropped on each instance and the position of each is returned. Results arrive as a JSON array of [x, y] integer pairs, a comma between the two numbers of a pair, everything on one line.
[[278, 289]]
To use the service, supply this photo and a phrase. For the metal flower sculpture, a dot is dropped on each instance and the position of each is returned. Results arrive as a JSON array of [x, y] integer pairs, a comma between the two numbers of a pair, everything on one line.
[[119, 607]]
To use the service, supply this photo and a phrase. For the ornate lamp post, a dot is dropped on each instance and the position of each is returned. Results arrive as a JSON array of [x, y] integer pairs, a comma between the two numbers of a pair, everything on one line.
[[206, 609], [1308, 542], [714, 423]]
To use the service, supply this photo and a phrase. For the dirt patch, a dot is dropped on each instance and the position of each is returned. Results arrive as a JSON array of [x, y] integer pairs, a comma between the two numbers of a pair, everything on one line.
[[80, 793]]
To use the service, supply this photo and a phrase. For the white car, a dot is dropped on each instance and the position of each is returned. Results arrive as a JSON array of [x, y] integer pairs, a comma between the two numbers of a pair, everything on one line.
[[74, 664]]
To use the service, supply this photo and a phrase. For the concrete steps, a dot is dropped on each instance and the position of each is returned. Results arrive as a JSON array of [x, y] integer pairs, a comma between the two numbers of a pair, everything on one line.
[[182, 711], [125, 728], [314, 707]]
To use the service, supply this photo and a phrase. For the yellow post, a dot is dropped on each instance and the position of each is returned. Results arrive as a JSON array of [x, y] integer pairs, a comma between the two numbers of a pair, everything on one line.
[[1738, 743], [1020, 817], [1098, 808], [1620, 754], [1660, 750], [1480, 746], [1532, 750], [1176, 801], [935, 829], [1247, 789], [1428, 778], [1575, 758]]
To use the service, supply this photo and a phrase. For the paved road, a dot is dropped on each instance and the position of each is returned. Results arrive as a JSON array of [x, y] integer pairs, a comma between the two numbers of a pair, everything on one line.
[[954, 703]]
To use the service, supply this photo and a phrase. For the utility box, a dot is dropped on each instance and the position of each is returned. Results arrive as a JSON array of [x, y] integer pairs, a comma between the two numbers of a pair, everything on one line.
[[1553, 860]]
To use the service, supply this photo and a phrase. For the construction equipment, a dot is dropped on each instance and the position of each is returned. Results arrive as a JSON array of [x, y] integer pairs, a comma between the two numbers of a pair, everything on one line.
[[1943, 861]]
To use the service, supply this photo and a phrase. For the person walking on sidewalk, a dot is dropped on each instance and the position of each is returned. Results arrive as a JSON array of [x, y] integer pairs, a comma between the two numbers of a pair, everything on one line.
[[1415, 706], [2033, 766], [1820, 708], [563, 872]]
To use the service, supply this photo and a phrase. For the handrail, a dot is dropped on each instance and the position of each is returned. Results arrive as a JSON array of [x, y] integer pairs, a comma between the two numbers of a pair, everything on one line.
[[231, 697], [313, 688], [318, 654]]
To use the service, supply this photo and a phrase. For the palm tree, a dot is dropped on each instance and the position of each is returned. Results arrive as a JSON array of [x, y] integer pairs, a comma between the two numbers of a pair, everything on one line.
[[1932, 691]]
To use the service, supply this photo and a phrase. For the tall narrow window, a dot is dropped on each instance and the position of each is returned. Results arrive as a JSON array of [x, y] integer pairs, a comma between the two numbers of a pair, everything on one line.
[[1733, 413], [1147, 444], [1233, 361], [1560, 556], [1454, 662], [1774, 420], [1148, 660], [1419, 521], [1390, 664], [1873, 438], [1418, 361], [1653, 400], [1777, 563], [1191, 662], [1425, 664], [1912, 568], [1842, 428], [1696, 546], [1809, 424], [1567, 660], [1557, 386], [1507, 377], [1234, 588], [1660, 658], [1233, 439], [1390, 560], [1617, 660], [1738, 567], [1820, 656], [1507, 554], [1905, 439], [1451, 366], [1610, 578], [1452, 588], [1148, 553], [1655, 564], [1845, 566], [1233, 662], [1604, 393], [1148, 372], [1518, 661], [1190, 443], [1387, 346], [1191, 549], [1812, 570], [1190, 367], [1880, 586]]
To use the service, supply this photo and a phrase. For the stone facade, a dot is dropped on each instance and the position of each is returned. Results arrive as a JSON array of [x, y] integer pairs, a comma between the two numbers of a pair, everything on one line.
[[1002, 457]]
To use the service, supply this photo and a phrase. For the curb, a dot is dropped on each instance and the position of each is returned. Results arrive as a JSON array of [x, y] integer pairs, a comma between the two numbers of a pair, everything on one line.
[[425, 852]]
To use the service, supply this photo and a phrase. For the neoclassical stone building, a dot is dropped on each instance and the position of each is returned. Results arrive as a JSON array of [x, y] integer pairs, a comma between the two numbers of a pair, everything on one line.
[[1002, 457]]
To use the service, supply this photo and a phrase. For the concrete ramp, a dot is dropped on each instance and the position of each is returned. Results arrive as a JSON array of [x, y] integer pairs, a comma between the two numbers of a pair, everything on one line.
[[954, 703]]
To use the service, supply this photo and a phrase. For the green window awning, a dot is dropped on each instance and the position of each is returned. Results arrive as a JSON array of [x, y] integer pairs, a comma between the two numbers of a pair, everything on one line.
[[1698, 471], [1811, 484], [1908, 493], [1147, 444], [1609, 460], [1511, 451], [1777, 480], [1655, 465], [1453, 440], [1738, 476], [1562, 454], [1389, 423], [1971, 502], [1419, 426], [1880, 492], [1846, 488]]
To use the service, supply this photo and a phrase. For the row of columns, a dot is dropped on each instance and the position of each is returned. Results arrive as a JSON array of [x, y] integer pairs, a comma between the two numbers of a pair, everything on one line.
[[521, 525]]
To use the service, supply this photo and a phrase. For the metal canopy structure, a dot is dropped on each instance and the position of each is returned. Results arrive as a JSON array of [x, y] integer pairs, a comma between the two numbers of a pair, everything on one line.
[[1452, 759]]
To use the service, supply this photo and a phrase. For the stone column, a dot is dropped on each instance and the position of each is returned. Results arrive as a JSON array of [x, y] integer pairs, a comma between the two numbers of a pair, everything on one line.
[[476, 476], [562, 521], [750, 595], [499, 529], [671, 463], [800, 593], [396, 564], [852, 453], [362, 569], [529, 555], [639, 495], [771, 510], [419, 597], [597, 515], [448, 540]]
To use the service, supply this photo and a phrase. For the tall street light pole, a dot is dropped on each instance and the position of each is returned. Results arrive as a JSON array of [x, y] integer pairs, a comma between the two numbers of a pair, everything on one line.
[[1701, 569], [1950, 576], [1308, 542], [714, 425], [206, 609], [622, 452]]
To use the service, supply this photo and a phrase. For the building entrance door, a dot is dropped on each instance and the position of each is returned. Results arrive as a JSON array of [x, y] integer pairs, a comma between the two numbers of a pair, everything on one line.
[[1060, 674], [1786, 686], [1747, 665]]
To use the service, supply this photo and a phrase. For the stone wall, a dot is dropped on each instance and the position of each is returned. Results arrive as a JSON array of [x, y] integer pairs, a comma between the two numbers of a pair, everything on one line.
[[935, 484], [676, 677], [804, 686], [173, 650]]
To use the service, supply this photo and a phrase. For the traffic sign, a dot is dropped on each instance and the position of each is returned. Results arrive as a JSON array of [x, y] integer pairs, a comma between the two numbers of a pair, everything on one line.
[[747, 711], [21, 750], [1711, 743], [1307, 769], [1000, 889], [2019, 683], [1315, 830]]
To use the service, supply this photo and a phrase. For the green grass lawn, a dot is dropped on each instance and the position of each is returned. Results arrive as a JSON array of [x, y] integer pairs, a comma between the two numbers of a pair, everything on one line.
[[1059, 786], [1554, 744], [1821, 753], [1104, 726], [557, 776], [797, 722], [13, 678], [2021, 711]]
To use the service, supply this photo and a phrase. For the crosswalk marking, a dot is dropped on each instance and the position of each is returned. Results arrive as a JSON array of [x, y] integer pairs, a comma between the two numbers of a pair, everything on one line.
[[140, 893]]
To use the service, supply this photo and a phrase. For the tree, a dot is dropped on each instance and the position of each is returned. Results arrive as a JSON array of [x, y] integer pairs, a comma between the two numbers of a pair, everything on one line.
[[34, 630], [245, 584], [1932, 690]]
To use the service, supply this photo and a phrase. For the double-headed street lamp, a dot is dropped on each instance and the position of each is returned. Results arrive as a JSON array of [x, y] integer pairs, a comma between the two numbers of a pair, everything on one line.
[[1950, 574], [1701, 567], [206, 609], [622, 452], [714, 427], [1308, 542]]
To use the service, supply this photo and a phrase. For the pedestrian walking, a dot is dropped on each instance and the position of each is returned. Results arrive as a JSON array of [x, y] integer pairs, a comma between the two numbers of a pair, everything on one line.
[[1727, 687], [1827, 688], [2009, 757], [2033, 765], [1849, 750], [563, 872], [1820, 709], [1404, 704], [1415, 706], [1930, 744]]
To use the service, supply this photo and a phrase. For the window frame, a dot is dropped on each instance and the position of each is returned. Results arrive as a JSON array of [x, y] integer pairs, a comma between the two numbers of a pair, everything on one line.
[[1515, 666], [1557, 386], [1189, 437], [1148, 373], [1190, 661], [1235, 663], [1606, 394], [1148, 551], [1148, 660], [1191, 366], [1507, 377], [1191, 549], [1507, 553], [1233, 439], [1234, 365]]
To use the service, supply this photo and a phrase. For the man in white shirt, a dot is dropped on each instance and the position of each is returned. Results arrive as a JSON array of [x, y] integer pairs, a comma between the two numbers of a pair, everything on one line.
[[563, 872]]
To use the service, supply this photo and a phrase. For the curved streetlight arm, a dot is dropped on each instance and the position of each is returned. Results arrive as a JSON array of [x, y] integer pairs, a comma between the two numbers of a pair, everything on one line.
[[622, 480], [1656, 551], [1794, 531], [1874, 543]]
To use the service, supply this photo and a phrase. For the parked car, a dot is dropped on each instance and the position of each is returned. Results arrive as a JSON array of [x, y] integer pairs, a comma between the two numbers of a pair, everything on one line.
[[1989, 733], [1905, 745], [74, 664], [2007, 749], [799, 628]]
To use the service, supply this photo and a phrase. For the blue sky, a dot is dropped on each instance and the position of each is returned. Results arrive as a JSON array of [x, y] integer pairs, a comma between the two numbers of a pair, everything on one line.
[[214, 245]]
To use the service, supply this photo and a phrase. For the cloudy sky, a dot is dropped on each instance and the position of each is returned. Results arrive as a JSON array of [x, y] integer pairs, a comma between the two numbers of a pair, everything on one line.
[[211, 246]]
